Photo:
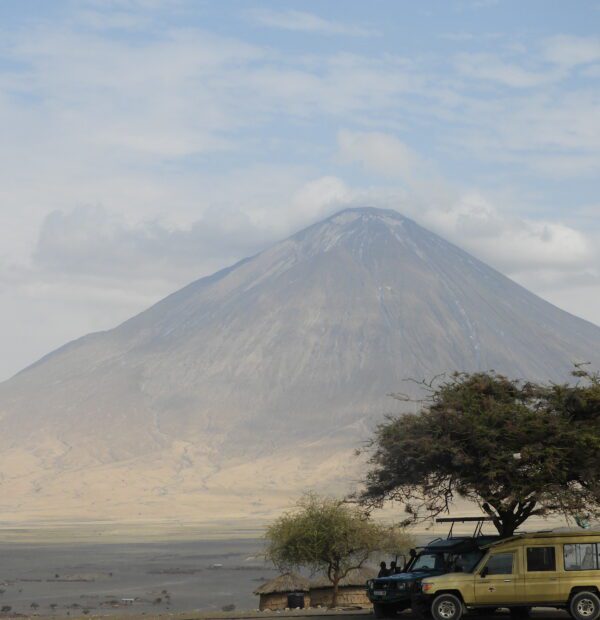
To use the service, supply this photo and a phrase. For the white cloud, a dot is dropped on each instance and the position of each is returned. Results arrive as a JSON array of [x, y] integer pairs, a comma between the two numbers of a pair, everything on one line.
[[380, 153], [547, 134], [301, 21], [95, 242], [521, 66], [480, 4], [91, 241], [115, 20], [519, 110], [491, 68], [146, 5], [320, 197], [515, 245], [570, 51]]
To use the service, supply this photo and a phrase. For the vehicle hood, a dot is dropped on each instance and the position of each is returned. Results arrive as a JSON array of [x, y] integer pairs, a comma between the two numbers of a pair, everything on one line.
[[416, 576], [451, 577]]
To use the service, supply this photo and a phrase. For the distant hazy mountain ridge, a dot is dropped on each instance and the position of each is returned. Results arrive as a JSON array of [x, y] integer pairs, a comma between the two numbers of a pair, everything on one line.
[[249, 385]]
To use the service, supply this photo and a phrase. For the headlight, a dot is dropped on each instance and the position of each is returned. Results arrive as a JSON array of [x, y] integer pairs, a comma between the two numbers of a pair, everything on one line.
[[426, 586]]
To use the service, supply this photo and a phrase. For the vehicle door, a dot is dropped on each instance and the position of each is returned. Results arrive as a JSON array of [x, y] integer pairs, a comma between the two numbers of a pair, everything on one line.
[[581, 566], [495, 581], [541, 574]]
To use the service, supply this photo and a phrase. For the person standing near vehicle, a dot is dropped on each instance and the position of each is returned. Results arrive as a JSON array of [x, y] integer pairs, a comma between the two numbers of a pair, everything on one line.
[[383, 570]]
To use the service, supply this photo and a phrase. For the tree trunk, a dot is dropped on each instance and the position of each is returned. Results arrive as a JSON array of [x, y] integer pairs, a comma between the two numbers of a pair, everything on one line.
[[507, 525], [508, 519], [336, 584]]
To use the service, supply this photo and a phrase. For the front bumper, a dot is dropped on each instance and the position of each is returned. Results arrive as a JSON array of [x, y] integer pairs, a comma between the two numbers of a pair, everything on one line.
[[386, 594], [389, 597]]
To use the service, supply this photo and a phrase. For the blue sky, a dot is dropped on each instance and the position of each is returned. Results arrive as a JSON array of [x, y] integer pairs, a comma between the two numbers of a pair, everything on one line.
[[146, 143]]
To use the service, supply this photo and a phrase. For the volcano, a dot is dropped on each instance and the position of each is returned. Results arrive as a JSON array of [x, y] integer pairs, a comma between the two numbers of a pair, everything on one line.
[[244, 388]]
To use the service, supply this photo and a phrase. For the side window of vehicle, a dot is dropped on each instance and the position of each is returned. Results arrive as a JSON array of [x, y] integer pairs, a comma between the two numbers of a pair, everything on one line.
[[500, 564], [541, 559], [582, 556]]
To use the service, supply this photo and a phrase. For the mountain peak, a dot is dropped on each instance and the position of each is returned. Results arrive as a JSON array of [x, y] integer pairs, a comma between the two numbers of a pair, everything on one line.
[[357, 227], [364, 215], [281, 361], [368, 212]]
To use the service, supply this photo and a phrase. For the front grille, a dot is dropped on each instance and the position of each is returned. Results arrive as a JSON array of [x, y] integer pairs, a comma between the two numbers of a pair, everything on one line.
[[389, 585]]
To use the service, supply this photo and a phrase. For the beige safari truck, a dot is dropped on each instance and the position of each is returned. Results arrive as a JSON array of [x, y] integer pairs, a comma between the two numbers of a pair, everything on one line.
[[559, 569]]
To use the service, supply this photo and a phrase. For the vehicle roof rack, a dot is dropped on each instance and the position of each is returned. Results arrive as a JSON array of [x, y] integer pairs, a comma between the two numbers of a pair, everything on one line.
[[479, 521]]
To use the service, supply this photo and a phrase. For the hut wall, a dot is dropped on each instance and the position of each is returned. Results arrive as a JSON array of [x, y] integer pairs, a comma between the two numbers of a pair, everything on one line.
[[276, 601], [348, 596], [354, 596]]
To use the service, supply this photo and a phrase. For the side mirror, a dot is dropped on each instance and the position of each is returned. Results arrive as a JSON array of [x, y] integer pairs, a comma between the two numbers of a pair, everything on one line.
[[484, 572], [413, 553]]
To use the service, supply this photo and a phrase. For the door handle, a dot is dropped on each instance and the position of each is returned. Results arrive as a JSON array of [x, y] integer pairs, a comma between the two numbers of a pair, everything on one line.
[[507, 580]]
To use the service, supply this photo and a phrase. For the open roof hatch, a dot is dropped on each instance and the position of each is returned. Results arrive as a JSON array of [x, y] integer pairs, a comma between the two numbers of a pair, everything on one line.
[[479, 521]]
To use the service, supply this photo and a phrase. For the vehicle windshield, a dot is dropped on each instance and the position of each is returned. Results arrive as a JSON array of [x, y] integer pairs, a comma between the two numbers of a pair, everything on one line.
[[446, 562]]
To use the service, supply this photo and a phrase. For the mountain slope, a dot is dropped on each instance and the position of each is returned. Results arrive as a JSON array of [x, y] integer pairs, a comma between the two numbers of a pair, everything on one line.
[[292, 351]]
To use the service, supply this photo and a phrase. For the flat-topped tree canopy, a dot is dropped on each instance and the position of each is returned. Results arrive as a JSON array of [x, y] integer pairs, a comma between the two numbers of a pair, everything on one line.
[[518, 449]]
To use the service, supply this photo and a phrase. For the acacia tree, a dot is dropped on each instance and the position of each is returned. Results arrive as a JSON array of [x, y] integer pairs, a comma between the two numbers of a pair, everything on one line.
[[517, 449], [329, 535]]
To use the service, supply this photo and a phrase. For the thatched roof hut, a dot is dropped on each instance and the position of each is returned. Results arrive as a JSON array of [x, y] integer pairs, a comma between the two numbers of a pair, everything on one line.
[[352, 590], [274, 593]]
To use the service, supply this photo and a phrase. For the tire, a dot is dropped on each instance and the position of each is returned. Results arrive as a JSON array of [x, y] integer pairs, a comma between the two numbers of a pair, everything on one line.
[[383, 611], [519, 613], [446, 607], [585, 605]]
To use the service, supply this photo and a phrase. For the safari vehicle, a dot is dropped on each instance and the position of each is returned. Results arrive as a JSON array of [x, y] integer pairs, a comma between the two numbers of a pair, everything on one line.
[[558, 569], [392, 594]]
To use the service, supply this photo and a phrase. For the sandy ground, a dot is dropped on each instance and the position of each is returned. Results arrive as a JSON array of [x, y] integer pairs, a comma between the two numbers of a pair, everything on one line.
[[131, 578], [98, 532], [137, 571], [313, 614]]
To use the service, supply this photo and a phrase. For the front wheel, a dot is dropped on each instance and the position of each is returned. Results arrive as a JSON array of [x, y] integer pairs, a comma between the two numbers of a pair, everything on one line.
[[446, 607], [585, 606]]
